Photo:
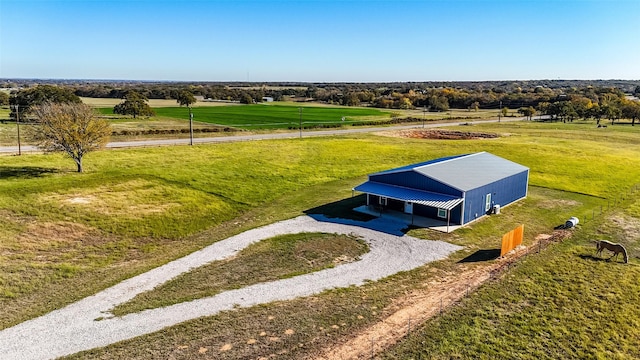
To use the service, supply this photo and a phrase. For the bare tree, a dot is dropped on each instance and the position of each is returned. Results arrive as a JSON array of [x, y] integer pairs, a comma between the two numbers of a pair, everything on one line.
[[71, 128]]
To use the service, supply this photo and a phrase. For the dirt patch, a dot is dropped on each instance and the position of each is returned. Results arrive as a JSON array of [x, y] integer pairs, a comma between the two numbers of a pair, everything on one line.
[[81, 200], [444, 134], [629, 225], [561, 203], [60, 232]]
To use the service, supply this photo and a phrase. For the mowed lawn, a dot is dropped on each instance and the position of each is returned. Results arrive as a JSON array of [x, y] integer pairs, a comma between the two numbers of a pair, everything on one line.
[[135, 209], [263, 116]]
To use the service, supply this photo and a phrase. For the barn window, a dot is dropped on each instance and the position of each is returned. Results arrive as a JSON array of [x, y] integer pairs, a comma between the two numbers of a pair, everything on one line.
[[487, 204], [442, 213], [382, 200]]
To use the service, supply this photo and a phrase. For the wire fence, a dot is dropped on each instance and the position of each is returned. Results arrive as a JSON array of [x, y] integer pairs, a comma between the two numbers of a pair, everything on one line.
[[503, 267]]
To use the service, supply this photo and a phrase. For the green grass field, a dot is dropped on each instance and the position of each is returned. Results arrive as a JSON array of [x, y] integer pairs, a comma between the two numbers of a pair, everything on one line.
[[135, 209], [261, 116]]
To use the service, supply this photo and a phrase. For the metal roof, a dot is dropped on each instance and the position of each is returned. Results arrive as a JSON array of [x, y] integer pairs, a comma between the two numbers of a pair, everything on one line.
[[465, 172], [411, 195], [413, 166]]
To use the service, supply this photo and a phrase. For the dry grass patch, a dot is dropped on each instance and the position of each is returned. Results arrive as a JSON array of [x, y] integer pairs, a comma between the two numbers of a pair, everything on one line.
[[629, 225], [133, 198], [557, 203], [55, 234]]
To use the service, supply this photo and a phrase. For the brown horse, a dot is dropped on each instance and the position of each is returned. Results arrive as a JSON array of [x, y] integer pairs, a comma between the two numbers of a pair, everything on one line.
[[613, 247]]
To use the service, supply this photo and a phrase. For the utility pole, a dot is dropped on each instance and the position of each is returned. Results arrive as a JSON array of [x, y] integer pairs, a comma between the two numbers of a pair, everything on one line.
[[424, 114], [190, 126], [300, 112], [17, 107], [500, 111]]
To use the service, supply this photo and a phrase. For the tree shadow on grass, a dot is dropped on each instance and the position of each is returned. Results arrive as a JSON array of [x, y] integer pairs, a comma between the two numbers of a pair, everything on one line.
[[24, 172], [482, 255]]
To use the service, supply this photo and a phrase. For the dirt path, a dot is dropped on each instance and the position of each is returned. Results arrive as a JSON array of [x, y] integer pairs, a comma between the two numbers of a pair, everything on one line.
[[421, 305]]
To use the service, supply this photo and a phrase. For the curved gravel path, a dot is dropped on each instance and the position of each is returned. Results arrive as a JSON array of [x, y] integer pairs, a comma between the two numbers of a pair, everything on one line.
[[74, 328]]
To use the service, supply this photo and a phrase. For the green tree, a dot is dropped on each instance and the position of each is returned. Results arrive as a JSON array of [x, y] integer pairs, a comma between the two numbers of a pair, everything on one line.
[[631, 110], [24, 100], [134, 104], [504, 111], [71, 128], [439, 103], [4, 98], [527, 111], [185, 98], [246, 99], [405, 103], [351, 99], [611, 111]]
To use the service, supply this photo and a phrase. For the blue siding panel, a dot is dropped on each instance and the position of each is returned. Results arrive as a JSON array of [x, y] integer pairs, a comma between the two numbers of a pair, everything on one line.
[[414, 180], [503, 192]]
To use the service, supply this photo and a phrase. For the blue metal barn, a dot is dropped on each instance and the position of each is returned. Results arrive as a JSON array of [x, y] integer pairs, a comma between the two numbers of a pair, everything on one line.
[[456, 189]]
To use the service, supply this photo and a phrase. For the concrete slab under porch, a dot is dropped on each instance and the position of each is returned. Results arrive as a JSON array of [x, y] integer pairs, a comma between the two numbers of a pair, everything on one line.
[[409, 219]]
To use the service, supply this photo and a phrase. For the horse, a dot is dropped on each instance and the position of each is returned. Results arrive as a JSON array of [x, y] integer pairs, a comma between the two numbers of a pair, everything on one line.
[[613, 247]]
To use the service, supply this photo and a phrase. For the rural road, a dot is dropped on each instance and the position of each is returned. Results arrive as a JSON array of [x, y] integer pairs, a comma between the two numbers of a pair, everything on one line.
[[88, 323], [268, 136]]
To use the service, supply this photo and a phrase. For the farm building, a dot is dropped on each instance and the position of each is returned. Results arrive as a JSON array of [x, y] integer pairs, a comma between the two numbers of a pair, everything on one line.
[[456, 189]]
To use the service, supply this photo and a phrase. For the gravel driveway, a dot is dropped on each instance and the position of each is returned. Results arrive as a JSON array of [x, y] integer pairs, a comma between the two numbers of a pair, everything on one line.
[[74, 328]]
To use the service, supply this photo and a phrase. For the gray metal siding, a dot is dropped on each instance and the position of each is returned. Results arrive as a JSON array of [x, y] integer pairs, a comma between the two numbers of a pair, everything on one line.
[[503, 192], [414, 180]]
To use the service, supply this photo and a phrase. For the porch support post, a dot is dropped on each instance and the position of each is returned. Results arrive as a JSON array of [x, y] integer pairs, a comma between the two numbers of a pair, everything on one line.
[[412, 216], [448, 219]]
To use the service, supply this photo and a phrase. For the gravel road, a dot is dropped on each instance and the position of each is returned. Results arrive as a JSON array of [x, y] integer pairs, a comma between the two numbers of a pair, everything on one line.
[[75, 328], [267, 136]]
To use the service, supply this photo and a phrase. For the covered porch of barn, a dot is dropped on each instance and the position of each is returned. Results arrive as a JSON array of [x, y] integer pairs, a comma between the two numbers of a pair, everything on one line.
[[411, 206]]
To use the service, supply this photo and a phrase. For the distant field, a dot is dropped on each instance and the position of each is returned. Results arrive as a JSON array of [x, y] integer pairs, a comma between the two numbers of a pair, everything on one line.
[[270, 116], [284, 115]]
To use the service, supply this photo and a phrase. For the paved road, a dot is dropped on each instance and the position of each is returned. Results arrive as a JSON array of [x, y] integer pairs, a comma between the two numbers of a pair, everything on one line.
[[267, 136], [88, 323]]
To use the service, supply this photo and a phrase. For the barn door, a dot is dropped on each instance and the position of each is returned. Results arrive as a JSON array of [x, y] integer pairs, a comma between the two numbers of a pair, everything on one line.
[[487, 203], [408, 207]]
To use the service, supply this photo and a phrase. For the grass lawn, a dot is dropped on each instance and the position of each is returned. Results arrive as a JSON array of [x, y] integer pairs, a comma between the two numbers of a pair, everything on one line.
[[135, 209]]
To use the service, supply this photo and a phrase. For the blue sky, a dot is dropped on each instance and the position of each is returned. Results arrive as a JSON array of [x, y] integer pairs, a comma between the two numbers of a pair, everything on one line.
[[320, 41]]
